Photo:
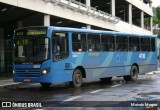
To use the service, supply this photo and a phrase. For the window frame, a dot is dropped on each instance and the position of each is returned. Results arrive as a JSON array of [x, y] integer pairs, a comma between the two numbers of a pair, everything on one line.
[[67, 56], [112, 37], [131, 45], [146, 44], [80, 42], [95, 34], [122, 43]]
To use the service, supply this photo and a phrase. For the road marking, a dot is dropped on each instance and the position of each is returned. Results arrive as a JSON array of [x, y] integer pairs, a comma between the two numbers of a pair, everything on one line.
[[72, 98], [116, 85], [96, 91]]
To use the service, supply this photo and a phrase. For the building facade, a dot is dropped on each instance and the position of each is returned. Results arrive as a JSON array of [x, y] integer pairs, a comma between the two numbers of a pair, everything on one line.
[[133, 16]]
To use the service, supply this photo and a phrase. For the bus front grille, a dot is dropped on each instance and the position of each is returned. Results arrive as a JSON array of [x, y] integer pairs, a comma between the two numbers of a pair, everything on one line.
[[28, 72]]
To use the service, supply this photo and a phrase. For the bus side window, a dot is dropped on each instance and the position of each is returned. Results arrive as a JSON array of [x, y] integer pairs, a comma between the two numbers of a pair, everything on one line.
[[145, 44], [122, 43], [94, 42], [134, 44], [108, 43], [79, 42]]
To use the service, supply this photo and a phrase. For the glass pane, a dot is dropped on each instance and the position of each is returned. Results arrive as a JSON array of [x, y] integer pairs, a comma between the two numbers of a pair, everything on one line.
[[79, 42], [145, 44], [121, 43], [60, 46], [31, 50], [134, 44], [108, 43], [93, 42]]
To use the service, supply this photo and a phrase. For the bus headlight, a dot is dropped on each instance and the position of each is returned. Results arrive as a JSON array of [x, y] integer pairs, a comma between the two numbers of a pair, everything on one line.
[[13, 72], [45, 71]]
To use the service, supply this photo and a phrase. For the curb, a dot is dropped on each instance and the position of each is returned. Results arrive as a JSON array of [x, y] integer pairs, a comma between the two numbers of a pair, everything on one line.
[[12, 85], [153, 72]]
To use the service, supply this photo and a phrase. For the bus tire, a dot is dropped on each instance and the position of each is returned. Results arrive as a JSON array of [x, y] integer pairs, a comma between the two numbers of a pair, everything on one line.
[[46, 85], [76, 78], [133, 74], [108, 79]]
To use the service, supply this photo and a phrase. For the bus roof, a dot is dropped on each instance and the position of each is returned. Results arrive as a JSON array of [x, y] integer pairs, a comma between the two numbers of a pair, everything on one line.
[[82, 30]]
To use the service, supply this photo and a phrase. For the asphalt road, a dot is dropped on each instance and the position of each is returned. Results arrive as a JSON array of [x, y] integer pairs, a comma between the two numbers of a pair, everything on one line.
[[92, 93]]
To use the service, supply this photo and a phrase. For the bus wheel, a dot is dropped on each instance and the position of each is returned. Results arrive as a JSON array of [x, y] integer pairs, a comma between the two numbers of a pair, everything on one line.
[[133, 74], [46, 85], [106, 79], [77, 78]]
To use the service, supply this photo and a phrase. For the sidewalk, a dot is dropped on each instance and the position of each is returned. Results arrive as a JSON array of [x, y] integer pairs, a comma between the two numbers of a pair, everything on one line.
[[8, 82]]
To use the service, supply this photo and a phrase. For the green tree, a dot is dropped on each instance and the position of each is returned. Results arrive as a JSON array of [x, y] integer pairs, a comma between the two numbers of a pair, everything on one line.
[[158, 12], [156, 18]]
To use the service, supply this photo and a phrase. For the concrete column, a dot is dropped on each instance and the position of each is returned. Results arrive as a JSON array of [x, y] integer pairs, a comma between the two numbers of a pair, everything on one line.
[[142, 19], [2, 58], [46, 20], [151, 24], [113, 7], [20, 24], [88, 2], [88, 26], [130, 13], [150, 5]]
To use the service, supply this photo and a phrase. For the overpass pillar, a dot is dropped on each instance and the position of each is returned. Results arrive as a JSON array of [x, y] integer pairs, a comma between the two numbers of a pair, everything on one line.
[[113, 7], [88, 3], [151, 24], [88, 26], [46, 20], [142, 19], [150, 4], [130, 14]]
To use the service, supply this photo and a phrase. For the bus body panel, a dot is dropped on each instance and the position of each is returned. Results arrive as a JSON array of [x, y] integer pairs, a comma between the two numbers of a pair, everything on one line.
[[32, 72], [96, 64], [115, 63], [62, 70]]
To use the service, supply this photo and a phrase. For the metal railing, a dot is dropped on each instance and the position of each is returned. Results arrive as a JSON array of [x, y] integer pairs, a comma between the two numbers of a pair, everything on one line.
[[83, 8]]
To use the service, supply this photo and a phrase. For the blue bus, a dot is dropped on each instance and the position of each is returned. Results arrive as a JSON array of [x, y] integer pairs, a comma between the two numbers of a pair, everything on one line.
[[50, 54]]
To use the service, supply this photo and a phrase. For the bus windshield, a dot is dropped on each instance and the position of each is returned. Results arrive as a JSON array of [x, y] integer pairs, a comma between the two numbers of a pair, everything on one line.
[[31, 50]]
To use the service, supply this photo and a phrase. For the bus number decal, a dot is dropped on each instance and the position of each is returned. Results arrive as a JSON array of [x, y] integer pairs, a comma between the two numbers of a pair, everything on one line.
[[75, 54], [142, 56]]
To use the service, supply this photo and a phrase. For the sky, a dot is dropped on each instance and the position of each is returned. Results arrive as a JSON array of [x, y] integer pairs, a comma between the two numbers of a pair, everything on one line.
[[156, 3]]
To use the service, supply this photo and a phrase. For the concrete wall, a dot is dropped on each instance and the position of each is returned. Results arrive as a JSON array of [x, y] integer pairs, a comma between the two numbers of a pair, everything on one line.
[[61, 11]]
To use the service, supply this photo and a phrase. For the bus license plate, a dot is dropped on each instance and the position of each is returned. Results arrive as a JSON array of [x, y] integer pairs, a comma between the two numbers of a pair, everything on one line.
[[27, 80]]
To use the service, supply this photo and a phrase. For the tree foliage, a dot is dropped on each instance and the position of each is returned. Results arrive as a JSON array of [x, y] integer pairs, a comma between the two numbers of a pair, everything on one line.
[[158, 12], [156, 19]]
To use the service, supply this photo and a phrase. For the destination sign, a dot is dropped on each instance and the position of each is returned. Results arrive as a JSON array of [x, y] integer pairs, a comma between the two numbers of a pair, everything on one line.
[[22, 42], [31, 32]]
